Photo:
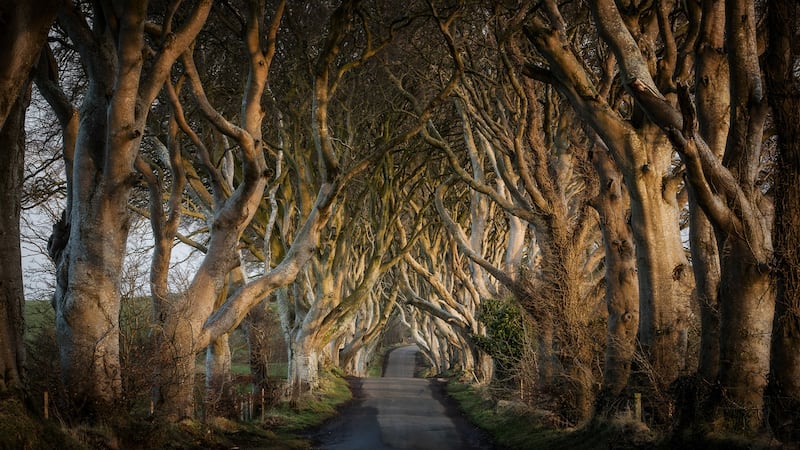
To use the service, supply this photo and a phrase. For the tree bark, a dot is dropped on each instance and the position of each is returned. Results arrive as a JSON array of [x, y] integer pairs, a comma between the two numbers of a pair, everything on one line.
[[622, 284], [730, 194], [713, 103], [112, 121], [746, 312], [219, 388], [12, 299], [22, 36], [665, 281], [303, 367], [87, 301], [644, 158], [256, 330], [174, 386], [783, 88]]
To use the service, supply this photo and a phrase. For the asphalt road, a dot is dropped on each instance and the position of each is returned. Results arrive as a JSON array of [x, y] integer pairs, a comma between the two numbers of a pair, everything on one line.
[[399, 411]]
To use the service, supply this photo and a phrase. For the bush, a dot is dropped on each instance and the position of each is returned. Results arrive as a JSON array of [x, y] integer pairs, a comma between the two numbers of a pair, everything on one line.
[[505, 336]]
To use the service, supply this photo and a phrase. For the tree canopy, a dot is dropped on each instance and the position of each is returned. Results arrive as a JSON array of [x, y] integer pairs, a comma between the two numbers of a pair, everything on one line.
[[576, 201]]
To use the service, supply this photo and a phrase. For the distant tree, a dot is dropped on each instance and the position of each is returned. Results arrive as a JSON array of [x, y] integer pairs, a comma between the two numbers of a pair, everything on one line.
[[516, 150], [324, 155]]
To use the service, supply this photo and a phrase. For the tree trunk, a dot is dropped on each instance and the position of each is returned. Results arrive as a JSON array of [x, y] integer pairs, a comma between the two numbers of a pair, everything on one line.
[[24, 32], [22, 36], [713, 106], [303, 368], [546, 361], [174, 392], [692, 395], [255, 327], [219, 392], [573, 333], [87, 301], [665, 280], [783, 391], [622, 284], [644, 157], [12, 299], [358, 363], [746, 313]]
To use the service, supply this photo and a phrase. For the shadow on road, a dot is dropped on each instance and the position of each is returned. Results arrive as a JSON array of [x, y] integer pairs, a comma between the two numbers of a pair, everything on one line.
[[399, 411]]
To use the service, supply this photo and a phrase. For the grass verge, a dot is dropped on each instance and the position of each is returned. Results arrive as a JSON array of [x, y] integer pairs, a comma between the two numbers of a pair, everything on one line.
[[313, 408], [21, 430], [281, 428], [517, 426]]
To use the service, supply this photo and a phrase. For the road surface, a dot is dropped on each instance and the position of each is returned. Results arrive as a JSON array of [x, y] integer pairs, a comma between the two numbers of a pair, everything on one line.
[[399, 411]]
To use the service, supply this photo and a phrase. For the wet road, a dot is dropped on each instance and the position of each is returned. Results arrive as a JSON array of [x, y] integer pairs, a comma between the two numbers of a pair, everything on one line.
[[398, 411]]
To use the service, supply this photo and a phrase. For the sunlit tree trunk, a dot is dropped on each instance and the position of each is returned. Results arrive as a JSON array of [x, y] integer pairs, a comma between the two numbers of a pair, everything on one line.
[[303, 367], [112, 121], [644, 158], [622, 284], [665, 281], [89, 353], [731, 196], [185, 329], [713, 103]]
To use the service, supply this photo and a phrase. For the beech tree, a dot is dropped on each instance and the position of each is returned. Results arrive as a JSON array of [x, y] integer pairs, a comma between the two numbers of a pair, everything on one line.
[[12, 323], [783, 89], [523, 157], [111, 41], [644, 157], [449, 296], [621, 289], [743, 219], [24, 31], [729, 121], [195, 319], [491, 152]]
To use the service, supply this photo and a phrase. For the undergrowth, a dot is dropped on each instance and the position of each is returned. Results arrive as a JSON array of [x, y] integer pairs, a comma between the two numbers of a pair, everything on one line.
[[280, 428], [19, 429]]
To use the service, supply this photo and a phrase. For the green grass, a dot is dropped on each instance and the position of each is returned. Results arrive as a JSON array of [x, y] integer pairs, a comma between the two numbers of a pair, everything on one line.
[[375, 366], [19, 429], [281, 429], [314, 408], [39, 315], [518, 427]]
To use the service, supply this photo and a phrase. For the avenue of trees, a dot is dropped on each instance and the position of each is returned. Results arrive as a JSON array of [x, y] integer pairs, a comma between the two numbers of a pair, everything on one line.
[[575, 201]]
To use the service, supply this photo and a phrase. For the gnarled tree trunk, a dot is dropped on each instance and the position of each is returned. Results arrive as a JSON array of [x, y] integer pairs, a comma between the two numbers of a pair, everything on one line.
[[622, 284]]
